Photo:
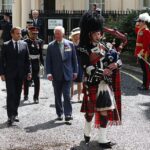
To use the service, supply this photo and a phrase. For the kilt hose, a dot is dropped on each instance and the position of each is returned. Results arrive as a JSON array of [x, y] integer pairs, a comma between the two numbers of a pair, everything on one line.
[[89, 101]]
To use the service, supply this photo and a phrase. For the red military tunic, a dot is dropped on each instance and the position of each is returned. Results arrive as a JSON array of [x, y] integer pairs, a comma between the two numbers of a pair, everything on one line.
[[143, 44], [142, 41]]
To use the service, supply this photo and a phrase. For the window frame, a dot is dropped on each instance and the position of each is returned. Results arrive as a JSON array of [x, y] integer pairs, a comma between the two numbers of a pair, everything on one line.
[[6, 5], [100, 4], [146, 3]]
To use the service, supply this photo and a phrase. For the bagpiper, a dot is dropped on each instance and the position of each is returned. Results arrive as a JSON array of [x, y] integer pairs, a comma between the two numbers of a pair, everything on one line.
[[142, 50], [35, 46], [99, 62]]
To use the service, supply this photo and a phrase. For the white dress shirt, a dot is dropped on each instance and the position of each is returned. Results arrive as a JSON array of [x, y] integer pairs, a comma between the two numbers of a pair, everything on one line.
[[14, 43]]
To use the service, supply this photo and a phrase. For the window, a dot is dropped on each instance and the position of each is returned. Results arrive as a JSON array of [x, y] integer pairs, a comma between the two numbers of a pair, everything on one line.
[[99, 3], [146, 3], [41, 4], [6, 5]]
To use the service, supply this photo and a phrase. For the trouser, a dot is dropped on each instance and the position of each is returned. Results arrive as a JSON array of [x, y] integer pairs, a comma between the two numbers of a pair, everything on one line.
[[14, 88], [146, 73], [36, 80], [62, 88]]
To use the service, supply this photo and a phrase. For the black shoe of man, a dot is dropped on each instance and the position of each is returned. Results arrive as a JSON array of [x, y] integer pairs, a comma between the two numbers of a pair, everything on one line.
[[16, 119], [10, 121], [36, 100], [87, 139], [105, 145], [26, 98], [59, 118], [68, 118]]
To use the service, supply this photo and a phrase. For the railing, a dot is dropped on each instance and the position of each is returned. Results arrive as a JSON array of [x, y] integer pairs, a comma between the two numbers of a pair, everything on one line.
[[2, 12], [71, 19], [80, 12], [6, 10]]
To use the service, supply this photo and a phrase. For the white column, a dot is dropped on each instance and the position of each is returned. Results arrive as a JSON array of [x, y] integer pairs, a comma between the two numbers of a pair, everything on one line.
[[35, 4], [107, 4], [26, 8], [0, 5], [16, 13], [86, 5], [139, 4]]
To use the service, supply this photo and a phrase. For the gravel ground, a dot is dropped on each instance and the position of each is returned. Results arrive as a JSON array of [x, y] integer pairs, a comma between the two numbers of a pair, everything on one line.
[[38, 130]]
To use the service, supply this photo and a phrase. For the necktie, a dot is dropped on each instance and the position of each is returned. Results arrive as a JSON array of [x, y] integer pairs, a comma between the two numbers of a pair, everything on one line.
[[16, 47], [61, 49], [35, 20]]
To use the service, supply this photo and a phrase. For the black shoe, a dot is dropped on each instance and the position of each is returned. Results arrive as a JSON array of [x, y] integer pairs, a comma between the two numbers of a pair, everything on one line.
[[10, 121], [36, 100], [26, 98], [106, 145], [142, 88], [68, 118], [87, 139], [59, 118], [16, 119], [112, 144]]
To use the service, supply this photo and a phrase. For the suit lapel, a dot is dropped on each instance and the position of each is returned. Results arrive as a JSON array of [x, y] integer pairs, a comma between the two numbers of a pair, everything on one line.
[[12, 45], [65, 53], [12, 49], [20, 47]]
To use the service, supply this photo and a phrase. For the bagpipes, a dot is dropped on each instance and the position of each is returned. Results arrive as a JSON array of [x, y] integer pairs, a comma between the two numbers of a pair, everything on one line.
[[117, 34], [103, 55]]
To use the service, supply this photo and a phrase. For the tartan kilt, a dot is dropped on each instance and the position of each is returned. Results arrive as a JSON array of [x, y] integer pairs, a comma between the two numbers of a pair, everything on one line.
[[114, 117], [89, 99]]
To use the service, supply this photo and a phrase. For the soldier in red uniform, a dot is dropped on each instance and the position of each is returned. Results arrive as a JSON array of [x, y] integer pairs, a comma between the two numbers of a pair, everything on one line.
[[142, 49]]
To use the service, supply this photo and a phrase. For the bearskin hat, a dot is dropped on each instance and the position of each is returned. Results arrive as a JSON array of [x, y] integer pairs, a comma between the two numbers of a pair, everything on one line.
[[90, 22]]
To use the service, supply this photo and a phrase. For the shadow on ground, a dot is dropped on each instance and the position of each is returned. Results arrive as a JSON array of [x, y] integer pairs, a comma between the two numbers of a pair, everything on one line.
[[146, 108], [93, 145], [44, 126]]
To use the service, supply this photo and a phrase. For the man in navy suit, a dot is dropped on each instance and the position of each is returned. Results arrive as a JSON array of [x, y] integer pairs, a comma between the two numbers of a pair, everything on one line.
[[61, 67], [38, 22], [14, 65]]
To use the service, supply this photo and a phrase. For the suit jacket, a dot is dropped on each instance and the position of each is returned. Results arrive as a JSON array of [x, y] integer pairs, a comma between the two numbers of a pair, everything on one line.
[[58, 67], [40, 26], [13, 63]]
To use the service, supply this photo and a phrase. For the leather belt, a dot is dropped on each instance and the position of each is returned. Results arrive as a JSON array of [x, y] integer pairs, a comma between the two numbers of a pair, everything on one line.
[[139, 44], [34, 56]]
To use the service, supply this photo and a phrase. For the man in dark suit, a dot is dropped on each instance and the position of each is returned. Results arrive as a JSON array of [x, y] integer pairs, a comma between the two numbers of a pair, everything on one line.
[[14, 65], [61, 67], [38, 22]]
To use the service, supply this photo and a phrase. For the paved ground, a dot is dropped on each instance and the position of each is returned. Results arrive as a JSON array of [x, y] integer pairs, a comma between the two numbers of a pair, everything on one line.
[[38, 130]]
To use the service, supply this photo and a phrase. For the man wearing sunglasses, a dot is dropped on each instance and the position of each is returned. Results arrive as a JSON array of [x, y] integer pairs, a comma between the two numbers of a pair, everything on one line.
[[142, 49]]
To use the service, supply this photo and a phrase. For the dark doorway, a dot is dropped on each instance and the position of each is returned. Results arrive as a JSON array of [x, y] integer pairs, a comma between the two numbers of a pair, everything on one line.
[[49, 5]]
